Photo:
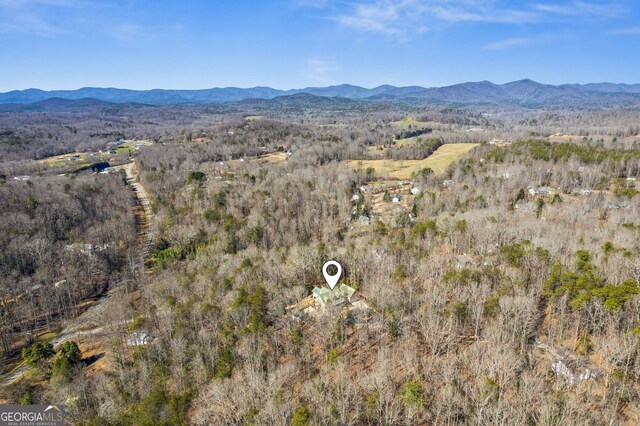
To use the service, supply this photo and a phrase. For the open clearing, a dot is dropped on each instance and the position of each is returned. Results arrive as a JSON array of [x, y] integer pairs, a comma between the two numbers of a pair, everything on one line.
[[565, 138], [407, 141], [85, 158], [275, 157], [378, 149], [402, 169], [408, 121]]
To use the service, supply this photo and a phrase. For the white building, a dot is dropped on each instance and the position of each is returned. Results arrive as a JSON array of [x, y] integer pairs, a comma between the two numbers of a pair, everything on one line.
[[138, 338], [543, 190]]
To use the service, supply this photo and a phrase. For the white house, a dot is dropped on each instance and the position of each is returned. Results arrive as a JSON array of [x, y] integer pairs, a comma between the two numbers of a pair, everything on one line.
[[543, 190], [138, 338]]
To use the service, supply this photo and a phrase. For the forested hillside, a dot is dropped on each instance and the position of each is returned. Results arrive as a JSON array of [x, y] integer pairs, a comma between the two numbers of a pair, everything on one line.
[[498, 285]]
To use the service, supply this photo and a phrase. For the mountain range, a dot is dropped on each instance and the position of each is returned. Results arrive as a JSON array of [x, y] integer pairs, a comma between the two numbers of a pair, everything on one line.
[[525, 93]]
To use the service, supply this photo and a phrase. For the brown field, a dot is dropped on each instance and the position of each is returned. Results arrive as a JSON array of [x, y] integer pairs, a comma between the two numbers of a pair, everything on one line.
[[402, 169], [274, 157], [564, 138], [409, 120]]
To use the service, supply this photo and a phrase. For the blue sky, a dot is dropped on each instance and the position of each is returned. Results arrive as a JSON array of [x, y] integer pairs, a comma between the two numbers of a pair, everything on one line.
[[67, 44]]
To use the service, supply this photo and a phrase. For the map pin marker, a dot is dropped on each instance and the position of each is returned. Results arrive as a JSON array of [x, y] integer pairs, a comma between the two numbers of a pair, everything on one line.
[[331, 280]]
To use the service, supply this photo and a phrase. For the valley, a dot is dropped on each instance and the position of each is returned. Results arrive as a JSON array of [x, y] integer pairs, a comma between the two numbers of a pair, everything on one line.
[[492, 255]]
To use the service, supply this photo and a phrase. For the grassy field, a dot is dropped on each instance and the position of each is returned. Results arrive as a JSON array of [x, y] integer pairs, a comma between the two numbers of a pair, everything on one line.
[[402, 169], [565, 138], [274, 157], [60, 160], [408, 121], [400, 142], [406, 141], [87, 158]]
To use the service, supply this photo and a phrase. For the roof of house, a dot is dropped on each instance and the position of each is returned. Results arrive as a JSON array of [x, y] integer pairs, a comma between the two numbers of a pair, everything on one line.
[[334, 297]]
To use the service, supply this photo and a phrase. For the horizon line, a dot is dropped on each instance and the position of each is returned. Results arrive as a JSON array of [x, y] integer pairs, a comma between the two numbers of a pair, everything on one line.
[[310, 87]]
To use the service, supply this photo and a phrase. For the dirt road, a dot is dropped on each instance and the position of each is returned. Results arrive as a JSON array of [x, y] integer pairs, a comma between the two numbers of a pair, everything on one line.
[[148, 228]]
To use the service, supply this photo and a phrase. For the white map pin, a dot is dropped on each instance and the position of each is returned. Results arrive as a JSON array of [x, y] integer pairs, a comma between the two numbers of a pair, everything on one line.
[[331, 280]]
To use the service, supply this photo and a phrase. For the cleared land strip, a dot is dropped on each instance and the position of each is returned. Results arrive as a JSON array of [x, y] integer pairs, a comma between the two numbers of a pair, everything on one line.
[[402, 169], [147, 228]]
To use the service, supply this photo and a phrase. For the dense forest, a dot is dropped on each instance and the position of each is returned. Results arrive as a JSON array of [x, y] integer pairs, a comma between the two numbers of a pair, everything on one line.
[[501, 288]]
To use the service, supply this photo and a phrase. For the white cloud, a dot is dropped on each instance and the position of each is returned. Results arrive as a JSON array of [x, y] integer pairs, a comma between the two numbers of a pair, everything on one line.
[[369, 17], [511, 42], [28, 22], [79, 18], [320, 71], [38, 17], [607, 9], [393, 18], [407, 17], [476, 13]]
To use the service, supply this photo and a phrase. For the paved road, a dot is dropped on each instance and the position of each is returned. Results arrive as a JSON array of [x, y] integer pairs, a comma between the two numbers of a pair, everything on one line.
[[89, 322]]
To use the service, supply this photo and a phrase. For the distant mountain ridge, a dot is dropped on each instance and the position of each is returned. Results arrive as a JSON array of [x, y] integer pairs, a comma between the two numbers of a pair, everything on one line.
[[522, 92], [61, 104]]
